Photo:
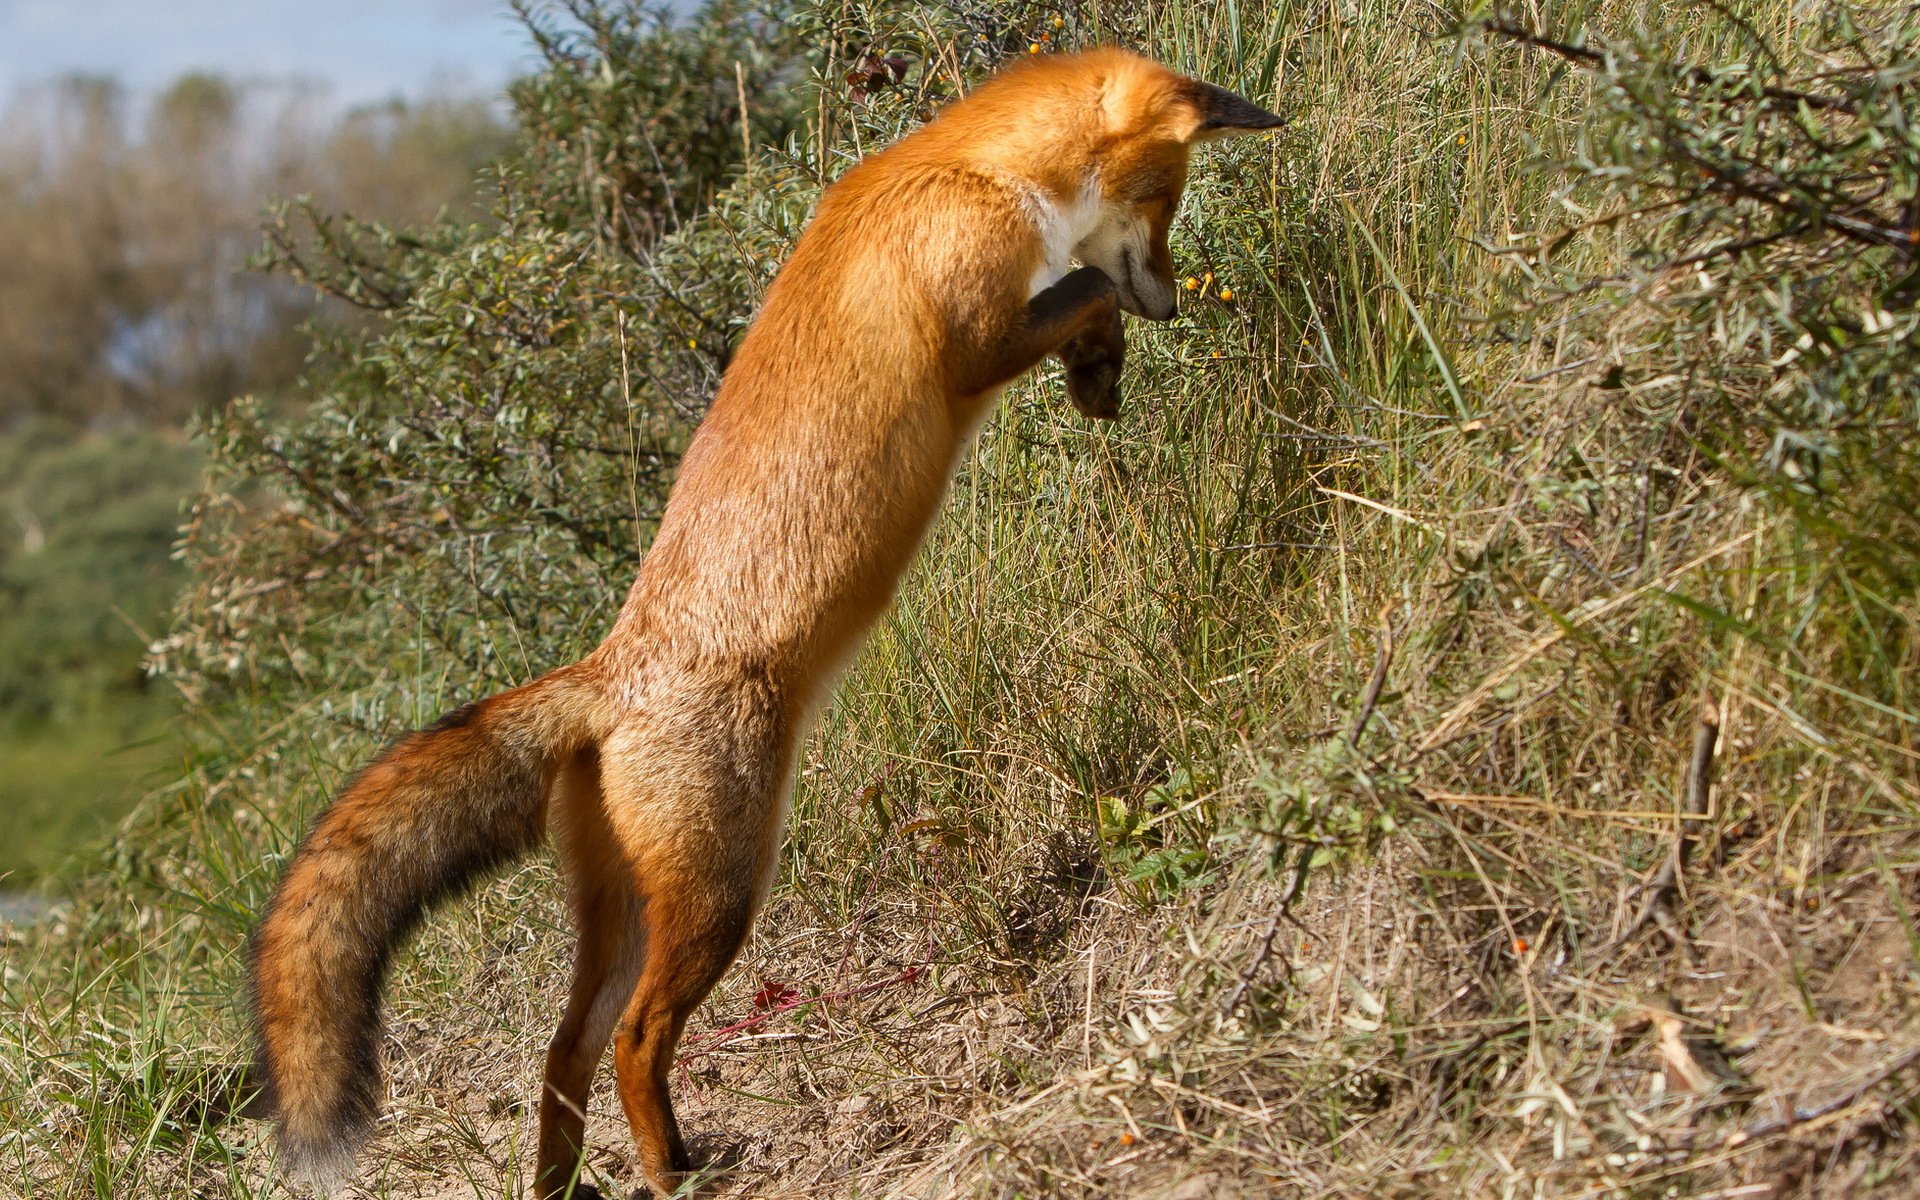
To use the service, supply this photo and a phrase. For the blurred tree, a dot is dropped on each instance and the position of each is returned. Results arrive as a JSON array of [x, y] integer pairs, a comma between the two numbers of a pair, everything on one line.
[[493, 445], [125, 299], [125, 308], [59, 235]]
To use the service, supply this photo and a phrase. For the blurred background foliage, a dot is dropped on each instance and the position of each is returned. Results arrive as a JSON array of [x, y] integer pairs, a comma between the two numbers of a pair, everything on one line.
[[126, 225]]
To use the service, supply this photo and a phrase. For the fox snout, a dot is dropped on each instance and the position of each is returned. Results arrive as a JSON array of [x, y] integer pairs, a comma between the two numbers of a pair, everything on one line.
[[1145, 294], [1143, 285]]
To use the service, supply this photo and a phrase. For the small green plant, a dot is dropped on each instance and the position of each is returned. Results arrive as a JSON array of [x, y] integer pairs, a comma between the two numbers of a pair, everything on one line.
[[1155, 841]]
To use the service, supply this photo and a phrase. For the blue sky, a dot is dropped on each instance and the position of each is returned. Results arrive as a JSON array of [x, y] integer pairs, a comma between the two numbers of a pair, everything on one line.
[[362, 49]]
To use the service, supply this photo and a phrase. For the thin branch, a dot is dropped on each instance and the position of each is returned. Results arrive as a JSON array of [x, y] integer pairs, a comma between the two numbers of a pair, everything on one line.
[[1698, 76], [1801, 1116], [1383, 659], [1659, 889]]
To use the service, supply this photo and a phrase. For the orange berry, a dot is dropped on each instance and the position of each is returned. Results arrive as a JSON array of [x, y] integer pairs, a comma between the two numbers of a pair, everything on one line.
[[1226, 293], [1127, 1139], [1033, 47], [1059, 22], [1193, 285], [1519, 945]]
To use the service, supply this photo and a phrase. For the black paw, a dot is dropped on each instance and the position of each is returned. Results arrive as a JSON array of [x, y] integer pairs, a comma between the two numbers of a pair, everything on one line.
[[1093, 361], [1094, 388]]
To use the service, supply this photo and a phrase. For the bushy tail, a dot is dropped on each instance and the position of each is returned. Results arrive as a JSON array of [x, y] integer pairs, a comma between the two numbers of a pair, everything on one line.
[[432, 814]]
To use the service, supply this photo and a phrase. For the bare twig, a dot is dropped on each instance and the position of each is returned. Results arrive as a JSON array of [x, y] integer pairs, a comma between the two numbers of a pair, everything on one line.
[[1371, 699], [1259, 960], [746, 125], [1801, 1116], [1697, 76], [1706, 738]]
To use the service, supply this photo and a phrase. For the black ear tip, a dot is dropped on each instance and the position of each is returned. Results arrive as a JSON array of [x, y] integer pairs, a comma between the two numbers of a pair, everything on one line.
[[1230, 110]]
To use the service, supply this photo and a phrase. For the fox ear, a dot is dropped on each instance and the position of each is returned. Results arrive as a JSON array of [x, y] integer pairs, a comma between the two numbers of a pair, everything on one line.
[[1218, 112]]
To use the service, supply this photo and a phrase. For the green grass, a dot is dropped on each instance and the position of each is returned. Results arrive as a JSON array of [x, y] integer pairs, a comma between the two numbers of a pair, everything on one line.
[[87, 525], [63, 789]]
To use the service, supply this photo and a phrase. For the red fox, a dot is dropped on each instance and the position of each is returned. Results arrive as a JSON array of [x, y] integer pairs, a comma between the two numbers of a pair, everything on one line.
[[932, 274]]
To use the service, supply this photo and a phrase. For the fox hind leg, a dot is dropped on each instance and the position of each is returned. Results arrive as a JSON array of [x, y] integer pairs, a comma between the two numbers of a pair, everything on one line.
[[606, 965], [605, 968], [698, 812], [689, 947]]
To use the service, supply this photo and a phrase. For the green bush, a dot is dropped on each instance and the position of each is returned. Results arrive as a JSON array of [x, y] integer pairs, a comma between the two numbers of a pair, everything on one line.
[[87, 579]]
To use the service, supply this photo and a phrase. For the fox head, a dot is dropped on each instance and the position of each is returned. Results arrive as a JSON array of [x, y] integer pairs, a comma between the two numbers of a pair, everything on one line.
[[1153, 118]]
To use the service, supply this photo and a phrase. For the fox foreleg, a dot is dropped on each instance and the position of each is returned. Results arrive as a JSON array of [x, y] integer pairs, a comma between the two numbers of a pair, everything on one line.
[[1077, 319], [1080, 317], [1093, 360]]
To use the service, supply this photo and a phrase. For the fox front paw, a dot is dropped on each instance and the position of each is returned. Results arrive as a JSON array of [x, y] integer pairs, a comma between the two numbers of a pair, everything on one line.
[[1094, 388], [1093, 362]]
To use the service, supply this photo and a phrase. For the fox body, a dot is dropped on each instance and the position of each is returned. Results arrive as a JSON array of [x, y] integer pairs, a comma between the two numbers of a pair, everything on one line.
[[932, 274]]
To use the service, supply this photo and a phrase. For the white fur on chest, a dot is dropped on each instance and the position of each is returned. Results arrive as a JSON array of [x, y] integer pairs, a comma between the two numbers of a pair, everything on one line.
[[1061, 228]]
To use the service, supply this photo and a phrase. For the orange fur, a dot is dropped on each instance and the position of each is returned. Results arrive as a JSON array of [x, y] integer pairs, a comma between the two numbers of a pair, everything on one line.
[[932, 274]]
